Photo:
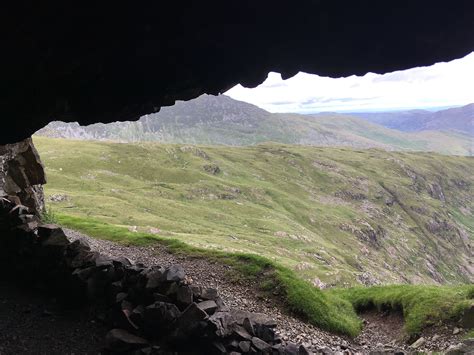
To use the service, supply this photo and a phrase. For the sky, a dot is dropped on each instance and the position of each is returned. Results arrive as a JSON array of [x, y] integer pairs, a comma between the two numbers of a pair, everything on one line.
[[440, 85]]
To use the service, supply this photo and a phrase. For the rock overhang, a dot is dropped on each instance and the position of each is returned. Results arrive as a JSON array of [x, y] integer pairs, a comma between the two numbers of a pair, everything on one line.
[[117, 61]]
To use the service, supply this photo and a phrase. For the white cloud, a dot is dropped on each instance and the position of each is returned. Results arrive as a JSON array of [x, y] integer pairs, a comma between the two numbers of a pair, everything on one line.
[[439, 85]]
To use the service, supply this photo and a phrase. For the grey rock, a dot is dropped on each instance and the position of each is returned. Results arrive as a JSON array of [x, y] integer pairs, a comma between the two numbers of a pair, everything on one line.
[[223, 323], [244, 346], [248, 326], [242, 333], [209, 294], [417, 344], [160, 315], [175, 273], [121, 341], [190, 319], [261, 345], [52, 235], [208, 306], [154, 277], [121, 296], [184, 295], [256, 318], [219, 347], [302, 350]]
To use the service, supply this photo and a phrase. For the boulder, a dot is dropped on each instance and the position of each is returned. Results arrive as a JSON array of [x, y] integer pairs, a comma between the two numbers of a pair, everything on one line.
[[103, 261], [52, 235], [256, 318], [158, 297], [261, 345], [248, 326], [222, 323], [419, 343], [209, 294], [160, 315], [208, 306], [184, 295], [191, 318], [121, 341], [154, 277], [245, 345], [242, 333], [175, 273]]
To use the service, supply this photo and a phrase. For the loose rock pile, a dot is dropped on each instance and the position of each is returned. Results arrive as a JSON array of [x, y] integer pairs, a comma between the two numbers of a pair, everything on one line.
[[151, 310]]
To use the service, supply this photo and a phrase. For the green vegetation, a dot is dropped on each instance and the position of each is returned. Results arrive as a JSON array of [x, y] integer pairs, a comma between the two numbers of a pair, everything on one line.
[[469, 334], [338, 215], [421, 305], [48, 216]]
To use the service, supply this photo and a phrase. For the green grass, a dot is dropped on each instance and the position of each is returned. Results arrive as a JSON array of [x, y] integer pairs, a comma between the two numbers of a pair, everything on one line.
[[421, 305], [48, 216], [294, 205], [469, 334], [325, 311]]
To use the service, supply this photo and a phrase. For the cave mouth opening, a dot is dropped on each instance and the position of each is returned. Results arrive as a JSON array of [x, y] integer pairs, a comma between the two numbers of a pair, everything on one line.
[[106, 64]]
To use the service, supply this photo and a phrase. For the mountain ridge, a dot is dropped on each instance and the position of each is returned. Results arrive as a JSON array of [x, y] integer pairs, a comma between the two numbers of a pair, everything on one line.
[[459, 119], [221, 120]]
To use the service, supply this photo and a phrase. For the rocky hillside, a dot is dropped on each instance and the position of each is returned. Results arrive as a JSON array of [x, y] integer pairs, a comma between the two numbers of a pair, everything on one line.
[[224, 121], [336, 216], [458, 119]]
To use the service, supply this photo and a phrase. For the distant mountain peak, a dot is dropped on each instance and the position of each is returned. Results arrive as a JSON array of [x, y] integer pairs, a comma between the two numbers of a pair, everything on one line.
[[222, 120]]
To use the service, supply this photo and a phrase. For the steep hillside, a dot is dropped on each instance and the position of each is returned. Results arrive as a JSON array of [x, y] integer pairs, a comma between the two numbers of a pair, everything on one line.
[[336, 216], [459, 119], [224, 121]]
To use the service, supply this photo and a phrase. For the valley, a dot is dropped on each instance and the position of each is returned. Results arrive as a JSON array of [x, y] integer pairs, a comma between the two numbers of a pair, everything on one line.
[[335, 216]]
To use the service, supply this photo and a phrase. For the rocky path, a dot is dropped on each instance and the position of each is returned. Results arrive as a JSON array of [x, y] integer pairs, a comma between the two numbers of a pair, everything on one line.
[[381, 332]]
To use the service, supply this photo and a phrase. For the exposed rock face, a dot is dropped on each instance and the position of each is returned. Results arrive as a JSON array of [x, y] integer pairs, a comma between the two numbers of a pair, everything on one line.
[[22, 174], [104, 63]]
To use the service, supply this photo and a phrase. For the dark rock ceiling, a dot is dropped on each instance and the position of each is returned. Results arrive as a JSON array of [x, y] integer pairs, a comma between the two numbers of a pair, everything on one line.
[[118, 60]]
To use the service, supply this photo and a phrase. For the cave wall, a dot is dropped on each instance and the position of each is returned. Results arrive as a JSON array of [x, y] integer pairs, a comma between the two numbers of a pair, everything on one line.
[[109, 61], [22, 175]]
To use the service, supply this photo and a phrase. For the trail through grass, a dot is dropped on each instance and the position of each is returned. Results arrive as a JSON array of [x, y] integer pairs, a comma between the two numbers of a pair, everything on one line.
[[333, 310]]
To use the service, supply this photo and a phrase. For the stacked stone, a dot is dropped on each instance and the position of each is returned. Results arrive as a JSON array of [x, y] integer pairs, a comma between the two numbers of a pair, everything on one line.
[[151, 310]]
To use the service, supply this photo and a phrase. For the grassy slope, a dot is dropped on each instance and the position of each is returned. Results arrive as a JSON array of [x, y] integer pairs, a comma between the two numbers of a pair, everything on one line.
[[314, 210], [356, 129], [421, 305]]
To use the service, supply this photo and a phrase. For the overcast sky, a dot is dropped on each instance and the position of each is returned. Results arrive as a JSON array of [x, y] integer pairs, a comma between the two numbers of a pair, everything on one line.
[[439, 85]]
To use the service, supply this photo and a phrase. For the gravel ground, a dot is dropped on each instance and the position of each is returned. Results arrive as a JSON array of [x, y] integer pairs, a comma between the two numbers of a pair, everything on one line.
[[31, 323], [381, 332]]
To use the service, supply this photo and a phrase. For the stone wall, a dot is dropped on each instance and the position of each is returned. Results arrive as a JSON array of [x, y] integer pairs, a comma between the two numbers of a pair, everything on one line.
[[22, 175], [149, 309]]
